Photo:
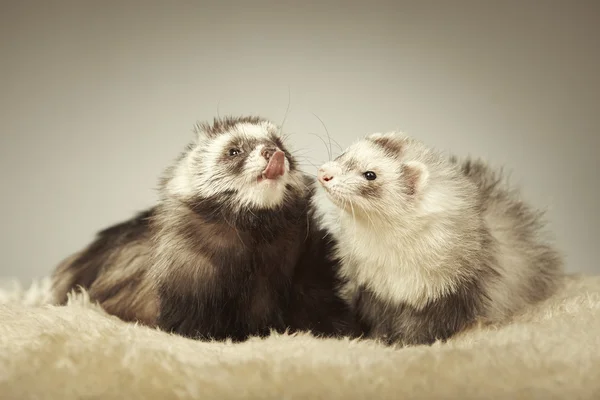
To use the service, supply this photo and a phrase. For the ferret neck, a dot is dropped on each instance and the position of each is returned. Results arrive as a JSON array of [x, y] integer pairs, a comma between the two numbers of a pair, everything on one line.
[[265, 223]]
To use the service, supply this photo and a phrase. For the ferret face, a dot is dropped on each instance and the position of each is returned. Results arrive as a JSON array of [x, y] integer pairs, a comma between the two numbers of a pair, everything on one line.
[[241, 158], [378, 177]]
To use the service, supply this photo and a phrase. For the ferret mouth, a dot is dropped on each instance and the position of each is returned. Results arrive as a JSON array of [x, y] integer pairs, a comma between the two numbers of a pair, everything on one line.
[[275, 169], [332, 195]]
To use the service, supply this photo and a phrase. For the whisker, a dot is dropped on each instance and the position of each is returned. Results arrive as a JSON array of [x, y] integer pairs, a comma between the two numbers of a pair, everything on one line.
[[336, 143], [314, 165], [353, 220], [331, 138], [324, 143], [305, 158], [328, 135], [287, 110], [305, 161], [304, 153]]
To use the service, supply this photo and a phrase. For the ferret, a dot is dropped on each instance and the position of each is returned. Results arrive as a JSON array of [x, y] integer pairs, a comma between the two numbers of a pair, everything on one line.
[[228, 252], [430, 244]]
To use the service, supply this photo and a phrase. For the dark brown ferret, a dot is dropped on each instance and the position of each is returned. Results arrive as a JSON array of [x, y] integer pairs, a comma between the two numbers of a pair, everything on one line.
[[228, 252]]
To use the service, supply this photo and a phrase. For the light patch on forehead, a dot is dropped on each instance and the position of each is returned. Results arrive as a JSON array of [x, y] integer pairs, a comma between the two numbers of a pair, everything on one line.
[[256, 131], [362, 155], [217, 144]]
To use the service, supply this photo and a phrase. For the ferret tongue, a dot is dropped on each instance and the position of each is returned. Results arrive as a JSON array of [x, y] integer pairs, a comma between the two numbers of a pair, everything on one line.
[[276, 166]]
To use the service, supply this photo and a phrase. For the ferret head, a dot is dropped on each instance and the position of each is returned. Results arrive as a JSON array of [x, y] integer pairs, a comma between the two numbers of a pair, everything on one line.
[[242, 161], [391, 177]]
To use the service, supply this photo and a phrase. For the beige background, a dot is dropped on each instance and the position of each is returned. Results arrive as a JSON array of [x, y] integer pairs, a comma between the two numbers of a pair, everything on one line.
[[98, 97]]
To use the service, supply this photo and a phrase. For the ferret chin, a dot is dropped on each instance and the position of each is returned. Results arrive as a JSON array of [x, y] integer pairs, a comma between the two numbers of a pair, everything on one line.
[[228, 250], [430, 245]]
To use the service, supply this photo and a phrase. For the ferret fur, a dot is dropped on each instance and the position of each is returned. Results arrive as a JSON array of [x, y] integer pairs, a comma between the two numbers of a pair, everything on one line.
[[223, 254], [434, 244]]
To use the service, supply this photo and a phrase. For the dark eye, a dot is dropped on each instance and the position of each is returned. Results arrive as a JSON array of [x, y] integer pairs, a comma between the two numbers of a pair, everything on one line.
[[370, 175], [234, 152]]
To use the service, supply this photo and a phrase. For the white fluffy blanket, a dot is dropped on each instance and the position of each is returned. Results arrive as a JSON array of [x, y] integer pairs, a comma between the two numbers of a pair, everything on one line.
[[78, 351]]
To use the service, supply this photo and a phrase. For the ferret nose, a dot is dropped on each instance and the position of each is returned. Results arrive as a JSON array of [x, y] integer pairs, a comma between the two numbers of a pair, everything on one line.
[[323, 176], [267, 152]]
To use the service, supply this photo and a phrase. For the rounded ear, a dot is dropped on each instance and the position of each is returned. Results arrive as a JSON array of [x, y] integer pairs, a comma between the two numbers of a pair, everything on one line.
[[389, 135], [391, 142], [416, 176], [374, 136]]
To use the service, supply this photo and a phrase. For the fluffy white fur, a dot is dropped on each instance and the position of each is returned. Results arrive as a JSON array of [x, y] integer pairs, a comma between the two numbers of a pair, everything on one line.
[[369, 261], [78, 351], [403, 247], [380, 242]]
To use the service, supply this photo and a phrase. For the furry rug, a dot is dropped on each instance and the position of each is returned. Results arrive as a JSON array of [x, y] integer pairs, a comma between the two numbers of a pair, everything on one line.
[[78, 351]]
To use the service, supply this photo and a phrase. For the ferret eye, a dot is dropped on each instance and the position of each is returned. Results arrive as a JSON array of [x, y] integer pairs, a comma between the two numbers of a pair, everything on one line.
[[370, 175], [234, 152]]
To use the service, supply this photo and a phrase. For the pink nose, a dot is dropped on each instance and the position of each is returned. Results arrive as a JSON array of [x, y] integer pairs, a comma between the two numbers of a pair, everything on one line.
[[267, 152], [324, 176]]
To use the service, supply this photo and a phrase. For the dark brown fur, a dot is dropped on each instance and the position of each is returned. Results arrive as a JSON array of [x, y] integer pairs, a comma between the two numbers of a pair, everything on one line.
[[204, 268], [260, 271], [125, 291], [313, 305], [405, 325]]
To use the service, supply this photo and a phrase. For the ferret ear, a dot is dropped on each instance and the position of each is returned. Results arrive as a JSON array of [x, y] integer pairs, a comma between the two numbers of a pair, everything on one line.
[[374, 136], [388, 135], [416, 176], [391, 142]]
